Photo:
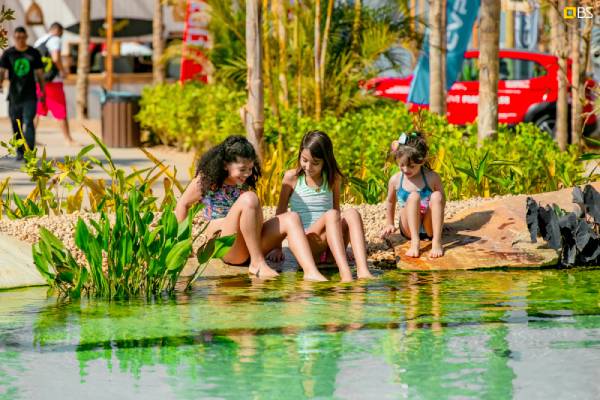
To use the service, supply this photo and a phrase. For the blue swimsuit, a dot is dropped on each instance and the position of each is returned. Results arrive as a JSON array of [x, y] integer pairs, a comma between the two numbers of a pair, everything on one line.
[[425, 194]]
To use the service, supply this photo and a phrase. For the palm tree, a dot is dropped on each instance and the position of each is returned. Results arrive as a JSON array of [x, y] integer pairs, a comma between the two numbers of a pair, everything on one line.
[[253, 112], [560, 50], [158, 45], [576, 83], [436, 56], [487, 110], [83, 61]]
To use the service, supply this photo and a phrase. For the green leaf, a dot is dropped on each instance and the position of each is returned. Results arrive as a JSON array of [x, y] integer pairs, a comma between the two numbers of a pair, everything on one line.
[[223, 244], [102, 147], [178, 255], [49, 238], [82, 235], [85, 150]]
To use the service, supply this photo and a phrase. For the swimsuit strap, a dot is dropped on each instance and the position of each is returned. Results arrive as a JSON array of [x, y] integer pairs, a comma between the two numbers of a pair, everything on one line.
[[424, 180]]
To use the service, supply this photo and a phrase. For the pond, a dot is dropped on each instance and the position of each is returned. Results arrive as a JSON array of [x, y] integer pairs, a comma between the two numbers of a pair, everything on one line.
[[482, 334]]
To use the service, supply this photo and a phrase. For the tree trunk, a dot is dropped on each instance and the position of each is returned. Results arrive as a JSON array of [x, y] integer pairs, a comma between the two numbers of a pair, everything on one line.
[[268, 68], [444, 44], [317, 55], [253, 112], [298, 52], [158, 45], [326, 37], [560, 45], [436, 37], [356, 26], [280, 14], [489, 29], [577, 94], [83, 61]]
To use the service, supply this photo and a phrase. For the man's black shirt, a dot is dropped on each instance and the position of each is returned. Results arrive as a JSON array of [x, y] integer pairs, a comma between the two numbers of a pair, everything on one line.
[[21, 66]]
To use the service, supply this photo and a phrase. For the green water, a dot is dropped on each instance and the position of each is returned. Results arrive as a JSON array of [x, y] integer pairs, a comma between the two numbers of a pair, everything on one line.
[[454, 335]]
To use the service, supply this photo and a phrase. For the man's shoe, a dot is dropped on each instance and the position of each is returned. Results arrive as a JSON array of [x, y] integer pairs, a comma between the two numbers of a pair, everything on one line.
[[19, 157]]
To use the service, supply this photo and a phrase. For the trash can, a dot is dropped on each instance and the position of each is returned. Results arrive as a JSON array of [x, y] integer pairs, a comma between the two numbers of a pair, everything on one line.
[[119, 128]]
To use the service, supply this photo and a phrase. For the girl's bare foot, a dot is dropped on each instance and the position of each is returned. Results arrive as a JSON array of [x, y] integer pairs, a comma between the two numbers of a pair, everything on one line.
[[437, 250], [346, 279], [414, 250], [315, 277], [262, 270], [364, 274]]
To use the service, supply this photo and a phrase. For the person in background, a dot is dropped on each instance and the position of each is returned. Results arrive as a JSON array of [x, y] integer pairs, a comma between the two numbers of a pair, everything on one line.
[[23, 64], [50, 47]]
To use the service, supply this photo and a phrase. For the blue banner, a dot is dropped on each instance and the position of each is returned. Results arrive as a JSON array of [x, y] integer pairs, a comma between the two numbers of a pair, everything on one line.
[[461, 15]]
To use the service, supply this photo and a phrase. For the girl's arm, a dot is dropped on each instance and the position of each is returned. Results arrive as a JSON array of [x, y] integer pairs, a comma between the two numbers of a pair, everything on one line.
[[337, 184], [436, 184], [190, 196], [287, 187], [390, 206]]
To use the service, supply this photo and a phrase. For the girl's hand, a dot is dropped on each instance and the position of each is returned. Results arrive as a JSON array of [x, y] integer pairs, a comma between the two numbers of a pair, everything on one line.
[[276, 255], [388, 230]]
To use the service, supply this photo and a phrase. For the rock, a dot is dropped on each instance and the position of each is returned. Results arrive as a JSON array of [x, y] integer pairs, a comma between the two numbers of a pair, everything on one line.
[[16, 264], [490, 235]]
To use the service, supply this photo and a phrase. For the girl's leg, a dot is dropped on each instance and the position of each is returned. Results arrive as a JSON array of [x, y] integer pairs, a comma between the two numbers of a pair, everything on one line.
[[434, 222], [290, 225], [335, 242], [326, 233], [245, 219], [410, 218], [353, 222]]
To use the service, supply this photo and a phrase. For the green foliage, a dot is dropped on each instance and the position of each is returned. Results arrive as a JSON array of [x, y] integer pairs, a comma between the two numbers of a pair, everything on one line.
[[127, 257], [193, 115], [60, 186], [6, 14], [519, 160], [349, 57]]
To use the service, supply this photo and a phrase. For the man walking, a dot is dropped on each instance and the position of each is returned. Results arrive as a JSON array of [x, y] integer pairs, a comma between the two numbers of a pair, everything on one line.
[[23, 64], [50, 48]]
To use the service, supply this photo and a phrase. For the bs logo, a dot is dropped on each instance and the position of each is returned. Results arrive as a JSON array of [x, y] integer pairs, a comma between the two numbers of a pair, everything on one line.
[[578, 12]]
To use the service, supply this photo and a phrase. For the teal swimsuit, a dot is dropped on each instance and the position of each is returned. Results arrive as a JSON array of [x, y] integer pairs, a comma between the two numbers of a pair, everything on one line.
[[425, 194], [310, 203]]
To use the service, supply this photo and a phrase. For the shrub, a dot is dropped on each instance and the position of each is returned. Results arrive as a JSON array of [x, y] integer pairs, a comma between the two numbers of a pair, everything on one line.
[[193, 115]]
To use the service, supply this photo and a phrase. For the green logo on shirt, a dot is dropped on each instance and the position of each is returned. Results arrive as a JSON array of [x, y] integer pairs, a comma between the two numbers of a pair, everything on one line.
[[21, 67]]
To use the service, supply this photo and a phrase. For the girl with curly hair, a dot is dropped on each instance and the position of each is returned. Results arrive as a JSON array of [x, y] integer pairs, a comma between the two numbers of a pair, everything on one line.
[[225, 177], [312, 190], [420, 193]]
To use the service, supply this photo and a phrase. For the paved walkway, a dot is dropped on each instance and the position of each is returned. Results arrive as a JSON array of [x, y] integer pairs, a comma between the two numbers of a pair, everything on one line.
[[48, 135]]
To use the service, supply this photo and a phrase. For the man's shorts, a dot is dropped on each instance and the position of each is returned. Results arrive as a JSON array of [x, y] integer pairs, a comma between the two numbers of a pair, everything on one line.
[[55, 101]]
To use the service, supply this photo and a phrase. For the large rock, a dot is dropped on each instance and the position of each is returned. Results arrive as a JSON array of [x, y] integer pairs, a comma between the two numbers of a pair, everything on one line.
[[16, 264], [492, 235]]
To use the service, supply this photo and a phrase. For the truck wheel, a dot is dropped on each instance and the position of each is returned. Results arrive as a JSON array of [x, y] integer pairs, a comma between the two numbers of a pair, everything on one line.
[[546, 122]]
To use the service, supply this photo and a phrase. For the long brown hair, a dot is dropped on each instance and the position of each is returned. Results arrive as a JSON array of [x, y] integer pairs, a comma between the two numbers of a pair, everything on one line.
[[320, 146]]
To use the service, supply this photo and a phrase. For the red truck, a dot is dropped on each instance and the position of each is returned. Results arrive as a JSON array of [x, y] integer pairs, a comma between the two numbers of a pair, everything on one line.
[[527, 90]]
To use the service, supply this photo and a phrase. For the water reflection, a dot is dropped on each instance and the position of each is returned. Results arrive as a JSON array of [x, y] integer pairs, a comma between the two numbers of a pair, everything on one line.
[[413, 335]]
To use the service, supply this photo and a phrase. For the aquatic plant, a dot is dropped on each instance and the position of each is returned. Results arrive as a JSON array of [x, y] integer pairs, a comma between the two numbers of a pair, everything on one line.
[[127, 257], [576, 235]]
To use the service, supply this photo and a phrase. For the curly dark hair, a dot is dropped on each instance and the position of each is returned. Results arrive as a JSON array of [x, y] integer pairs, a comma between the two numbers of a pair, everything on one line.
[[211, 166], [414, 150], [320, 146]]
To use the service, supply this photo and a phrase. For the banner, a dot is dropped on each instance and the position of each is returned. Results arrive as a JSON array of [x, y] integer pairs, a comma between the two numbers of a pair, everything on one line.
[[195, 37], [526, 29], [461, 15]]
